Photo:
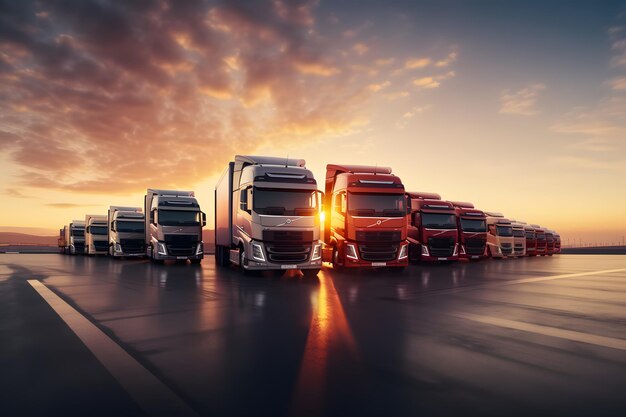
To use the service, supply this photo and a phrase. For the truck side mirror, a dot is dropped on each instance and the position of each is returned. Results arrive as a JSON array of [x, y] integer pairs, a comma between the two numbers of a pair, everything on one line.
[[113, 226], [203, 219], [416, 219], [344, 203], [153, 217], [408, 205], [320, 201], [88, 229]]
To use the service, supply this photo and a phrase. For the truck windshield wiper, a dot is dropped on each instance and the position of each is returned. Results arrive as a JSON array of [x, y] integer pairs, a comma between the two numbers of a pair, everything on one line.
[[364, 212]]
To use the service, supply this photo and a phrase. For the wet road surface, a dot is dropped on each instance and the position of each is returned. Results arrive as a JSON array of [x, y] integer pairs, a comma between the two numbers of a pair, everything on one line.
[[542, 336]]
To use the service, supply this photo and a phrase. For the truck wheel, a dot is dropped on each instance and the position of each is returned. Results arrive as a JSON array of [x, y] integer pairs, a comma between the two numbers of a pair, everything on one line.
[[310, 273], [196, 261], [242, 256], [336, 265]]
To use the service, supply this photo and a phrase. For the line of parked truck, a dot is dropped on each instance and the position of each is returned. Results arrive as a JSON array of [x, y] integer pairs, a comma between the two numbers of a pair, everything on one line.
[[270, 215]]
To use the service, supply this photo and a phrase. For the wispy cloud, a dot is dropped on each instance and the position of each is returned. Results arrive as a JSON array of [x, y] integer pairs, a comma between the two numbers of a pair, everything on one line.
[[618, 84], [414, 63], [450, 59], [522, 102], [67, 205], [432, 81]]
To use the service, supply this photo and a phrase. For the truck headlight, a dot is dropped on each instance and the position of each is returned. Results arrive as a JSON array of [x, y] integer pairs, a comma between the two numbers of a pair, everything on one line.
[[199, 249], [456, 249], [463, 250], [425, 250], [118, 248], [351, 251], [317, 252], [403, 252], [499, 250], [161, 249], [257, 252]]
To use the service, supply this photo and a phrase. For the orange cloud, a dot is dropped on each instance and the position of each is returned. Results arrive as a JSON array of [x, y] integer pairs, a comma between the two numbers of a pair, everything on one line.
[[415, 63]]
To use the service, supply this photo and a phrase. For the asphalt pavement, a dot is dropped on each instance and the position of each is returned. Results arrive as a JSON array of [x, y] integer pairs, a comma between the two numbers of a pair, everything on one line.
[[538, 336]]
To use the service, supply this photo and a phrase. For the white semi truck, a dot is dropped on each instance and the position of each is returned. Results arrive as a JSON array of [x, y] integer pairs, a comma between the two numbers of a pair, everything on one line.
[[173, 226], [96, 230], [267, 215], [126, 230], [499, 235], [76, 240]]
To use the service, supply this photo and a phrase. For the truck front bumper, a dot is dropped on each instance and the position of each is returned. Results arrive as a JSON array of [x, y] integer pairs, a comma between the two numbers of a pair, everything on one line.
[[161, 253], [257, 258]]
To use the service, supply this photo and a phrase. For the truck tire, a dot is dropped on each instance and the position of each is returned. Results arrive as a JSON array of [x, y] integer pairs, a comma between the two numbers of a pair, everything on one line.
[[196, 261], [336, 265], [222, 255]]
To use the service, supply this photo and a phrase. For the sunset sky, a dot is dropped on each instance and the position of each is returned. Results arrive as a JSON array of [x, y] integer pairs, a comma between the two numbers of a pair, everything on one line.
[[519, 107]]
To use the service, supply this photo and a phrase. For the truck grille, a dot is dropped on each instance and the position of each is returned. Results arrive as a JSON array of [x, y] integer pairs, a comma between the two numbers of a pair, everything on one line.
[[181, 245], [441, 246], [519, 248], [287, 236], [379, 252], [382, 236], [288, 253], [506, 248], [101, 245], [475, 246], [132, 245]]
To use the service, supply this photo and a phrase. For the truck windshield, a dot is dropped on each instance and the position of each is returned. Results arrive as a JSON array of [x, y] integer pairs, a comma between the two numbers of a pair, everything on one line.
[[473, 225], [285, 203], [439, 221], [530, 235], [129, 227], [505, 231], [98, 230], [78, 232], [388, 205], [541, 236], [179, 218], [518, 233]]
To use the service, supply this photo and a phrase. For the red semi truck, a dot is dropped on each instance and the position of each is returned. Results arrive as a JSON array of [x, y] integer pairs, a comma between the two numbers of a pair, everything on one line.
[[432, 230], [531, 240], [542, 243], [549, 242], [472, 229], [365, 221]]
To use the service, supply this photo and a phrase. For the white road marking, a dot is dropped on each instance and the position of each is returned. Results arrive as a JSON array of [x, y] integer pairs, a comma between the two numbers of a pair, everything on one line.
[[497, 284], [551, 277], [149, 392], [592, 339]]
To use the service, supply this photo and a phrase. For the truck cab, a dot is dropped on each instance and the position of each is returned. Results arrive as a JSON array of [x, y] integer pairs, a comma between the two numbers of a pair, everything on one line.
[[542, 243], [531, 240], [499, 235], [549, 242], [365, 218], [432, 231], [557, 243], [126, 232], [96, 242], [62, 241], [472, 229], [173, 225], [76, 240], [519, 238], [267, 216]]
